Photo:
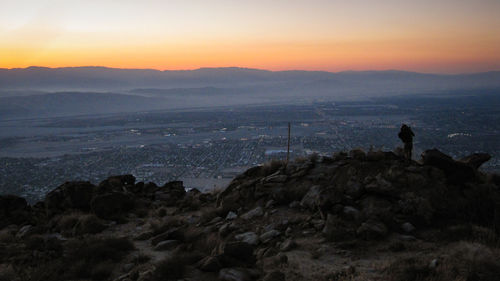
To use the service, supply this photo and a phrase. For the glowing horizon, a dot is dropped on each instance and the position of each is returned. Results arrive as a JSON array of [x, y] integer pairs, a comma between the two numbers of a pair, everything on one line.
[[450, 36]]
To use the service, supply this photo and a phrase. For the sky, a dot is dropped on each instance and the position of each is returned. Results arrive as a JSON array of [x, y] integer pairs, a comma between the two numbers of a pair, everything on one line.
[[433, 36]]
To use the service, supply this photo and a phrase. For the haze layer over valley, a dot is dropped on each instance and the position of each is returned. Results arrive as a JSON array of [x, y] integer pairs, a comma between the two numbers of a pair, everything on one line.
[[51, 92]]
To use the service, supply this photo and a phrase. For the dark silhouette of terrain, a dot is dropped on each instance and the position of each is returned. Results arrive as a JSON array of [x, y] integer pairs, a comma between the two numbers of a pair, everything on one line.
[[352, 216]]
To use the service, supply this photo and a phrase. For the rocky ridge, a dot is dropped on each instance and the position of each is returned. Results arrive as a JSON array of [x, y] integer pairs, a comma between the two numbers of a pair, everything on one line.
[[352, 216]]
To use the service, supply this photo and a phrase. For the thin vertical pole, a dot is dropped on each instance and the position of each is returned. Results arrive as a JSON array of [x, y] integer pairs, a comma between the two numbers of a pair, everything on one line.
[[288, 147]]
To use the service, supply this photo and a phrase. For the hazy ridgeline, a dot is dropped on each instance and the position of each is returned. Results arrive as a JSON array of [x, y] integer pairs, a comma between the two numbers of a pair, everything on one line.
[[49, 92]]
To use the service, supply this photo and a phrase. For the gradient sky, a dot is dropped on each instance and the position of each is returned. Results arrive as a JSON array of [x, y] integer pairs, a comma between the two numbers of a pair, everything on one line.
[[442, 36]]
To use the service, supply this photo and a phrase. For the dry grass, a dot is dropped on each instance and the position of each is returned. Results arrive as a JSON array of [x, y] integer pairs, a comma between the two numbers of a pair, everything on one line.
[[209, 214], [88, 224], [174, 267], [160, 226], [7, 273], [6, 237], [77, 223], [471, 233], [272, 166], [95, 258], [216, 191], [141, 258], [470, 261], [169, 269], [162, 212], [462, 261], [66, 222]]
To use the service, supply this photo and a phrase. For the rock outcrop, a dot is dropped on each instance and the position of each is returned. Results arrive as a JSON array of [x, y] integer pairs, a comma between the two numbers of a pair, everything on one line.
[[273, 222]]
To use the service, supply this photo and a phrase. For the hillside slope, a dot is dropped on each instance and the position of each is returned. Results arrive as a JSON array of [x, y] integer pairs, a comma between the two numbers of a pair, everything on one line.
[[356, 216]]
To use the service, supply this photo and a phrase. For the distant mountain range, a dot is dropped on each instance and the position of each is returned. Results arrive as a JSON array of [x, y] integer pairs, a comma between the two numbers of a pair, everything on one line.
[[102, 78], [90, 90]]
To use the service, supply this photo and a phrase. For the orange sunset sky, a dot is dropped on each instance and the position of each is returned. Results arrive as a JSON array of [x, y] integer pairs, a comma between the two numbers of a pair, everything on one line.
[[439, 36]]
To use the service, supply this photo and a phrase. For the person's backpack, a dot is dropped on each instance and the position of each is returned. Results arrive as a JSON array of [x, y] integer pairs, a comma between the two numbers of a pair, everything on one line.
[[405, 134]]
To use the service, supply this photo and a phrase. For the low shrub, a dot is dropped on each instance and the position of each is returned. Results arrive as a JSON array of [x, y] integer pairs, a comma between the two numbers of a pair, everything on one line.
[[271, 167], [410, 269], [88, 224], [174, 267], [464, 261], [169, 269], [141, 258], [95, 257], [159, 227]]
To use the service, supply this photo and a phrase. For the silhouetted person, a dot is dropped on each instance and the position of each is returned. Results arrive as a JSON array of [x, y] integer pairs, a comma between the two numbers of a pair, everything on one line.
[[406, 135]]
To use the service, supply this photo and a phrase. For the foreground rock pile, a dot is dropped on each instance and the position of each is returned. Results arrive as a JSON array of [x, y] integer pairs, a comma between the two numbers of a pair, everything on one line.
[[353, 216]]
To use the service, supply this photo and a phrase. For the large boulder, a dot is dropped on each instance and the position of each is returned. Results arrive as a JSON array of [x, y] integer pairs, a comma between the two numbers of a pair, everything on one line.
[[456, 172], [336, 229], [475, 160], [312, 197], [234, 274], [322, 198], [170, 193], [176, 188], [111, 205], [372, 230], [13, 210], [117, 183], [70, 195], [235, 254]]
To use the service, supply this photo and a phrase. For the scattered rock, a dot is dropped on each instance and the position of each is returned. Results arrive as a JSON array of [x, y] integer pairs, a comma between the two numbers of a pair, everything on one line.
[[231, 216], [269, 204], [225, 229], [407, 238], [312, 198], [352, 213], [215, 220], [209, 264], [167, 245], [434, 263], [276, 179], [24, 231], [234, 253], [294, 205], [257, 212], [287, 245], [274, 276], [248, 237], [372, 230], [360, 200], [336, 229], [408, 227], [144, 235], [349, 270], [127, 267], [380, 186], [269, 235], [234, 274], [354, 190]]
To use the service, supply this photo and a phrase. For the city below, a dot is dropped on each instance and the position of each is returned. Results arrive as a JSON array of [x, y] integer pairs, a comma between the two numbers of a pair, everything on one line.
[[207, 147]]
